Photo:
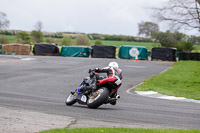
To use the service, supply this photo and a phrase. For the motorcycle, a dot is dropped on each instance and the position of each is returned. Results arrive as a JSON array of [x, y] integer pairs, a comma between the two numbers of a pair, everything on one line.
[[95, 90]]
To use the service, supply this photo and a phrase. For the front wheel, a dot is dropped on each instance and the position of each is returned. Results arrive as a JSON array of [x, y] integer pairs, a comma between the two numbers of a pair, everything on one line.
[[98, 97], [70, 100]]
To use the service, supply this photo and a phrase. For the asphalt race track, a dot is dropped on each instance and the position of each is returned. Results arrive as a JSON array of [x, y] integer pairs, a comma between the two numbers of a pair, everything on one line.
[[41, 84]]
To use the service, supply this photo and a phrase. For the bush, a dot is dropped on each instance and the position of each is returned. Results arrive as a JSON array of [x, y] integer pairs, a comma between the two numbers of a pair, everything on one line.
[[3, 40], [5, 32], [166, 39], [66, 41], [50, 40], [96, 36], [184, 46], [24, 37], [58, 35], [98, 42], [169, 39], [118, 38], [82, 40], [195, 40], [37, 35]]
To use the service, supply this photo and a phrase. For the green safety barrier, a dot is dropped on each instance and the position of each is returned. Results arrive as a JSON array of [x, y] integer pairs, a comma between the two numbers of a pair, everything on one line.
[[1, 52], [130, 52], [73, 51]]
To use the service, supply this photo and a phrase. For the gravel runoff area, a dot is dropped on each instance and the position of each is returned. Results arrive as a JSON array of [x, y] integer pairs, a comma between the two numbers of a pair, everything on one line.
[[24, 121]]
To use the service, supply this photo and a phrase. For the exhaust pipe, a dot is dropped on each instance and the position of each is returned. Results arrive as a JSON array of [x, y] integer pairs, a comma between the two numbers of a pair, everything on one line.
[[118, 97], [113, 99]]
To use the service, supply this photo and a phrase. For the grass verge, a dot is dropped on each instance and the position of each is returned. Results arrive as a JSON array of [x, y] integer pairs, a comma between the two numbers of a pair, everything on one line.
[[11, 39], [196, 48], [119, 130], [182, 80], [149, 45]]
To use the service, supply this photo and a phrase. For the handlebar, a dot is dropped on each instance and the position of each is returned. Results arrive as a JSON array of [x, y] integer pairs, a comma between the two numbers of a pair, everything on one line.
[[91, 70]]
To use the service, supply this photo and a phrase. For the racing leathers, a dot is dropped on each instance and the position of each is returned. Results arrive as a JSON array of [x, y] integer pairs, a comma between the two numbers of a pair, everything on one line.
[[111, 72]]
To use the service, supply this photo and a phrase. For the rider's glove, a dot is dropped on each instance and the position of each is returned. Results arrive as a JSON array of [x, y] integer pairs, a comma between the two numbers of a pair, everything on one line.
[[89, 71]]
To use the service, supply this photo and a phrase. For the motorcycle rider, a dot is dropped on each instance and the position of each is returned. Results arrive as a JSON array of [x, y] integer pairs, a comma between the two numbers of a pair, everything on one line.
[[112, 70], [95, 90]]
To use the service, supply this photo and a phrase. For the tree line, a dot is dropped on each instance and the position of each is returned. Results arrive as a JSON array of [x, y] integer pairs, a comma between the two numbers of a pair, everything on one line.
[[178, 40], [36, 36]]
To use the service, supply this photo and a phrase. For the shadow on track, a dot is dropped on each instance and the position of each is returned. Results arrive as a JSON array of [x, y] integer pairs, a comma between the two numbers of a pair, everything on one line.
[[100, 108]]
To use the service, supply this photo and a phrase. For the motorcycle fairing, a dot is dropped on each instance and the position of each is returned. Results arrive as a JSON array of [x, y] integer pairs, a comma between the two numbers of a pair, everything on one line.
[[106, 80]]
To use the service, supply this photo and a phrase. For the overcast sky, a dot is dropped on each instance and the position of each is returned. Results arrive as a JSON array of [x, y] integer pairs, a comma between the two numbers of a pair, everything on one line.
[[89, 16]]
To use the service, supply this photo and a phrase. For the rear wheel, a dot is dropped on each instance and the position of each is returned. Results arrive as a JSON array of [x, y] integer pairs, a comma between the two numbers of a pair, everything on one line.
[[70, 100], [98, 97]]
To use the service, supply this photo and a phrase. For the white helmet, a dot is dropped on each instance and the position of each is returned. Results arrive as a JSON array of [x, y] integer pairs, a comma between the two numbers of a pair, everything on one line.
[[113, 64]]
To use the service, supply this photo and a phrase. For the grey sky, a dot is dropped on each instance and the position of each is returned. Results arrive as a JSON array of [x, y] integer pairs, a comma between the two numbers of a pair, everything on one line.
[[89, 16]]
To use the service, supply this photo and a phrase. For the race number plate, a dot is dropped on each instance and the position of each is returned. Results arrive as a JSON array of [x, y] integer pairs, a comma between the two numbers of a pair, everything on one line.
[[84, 98]]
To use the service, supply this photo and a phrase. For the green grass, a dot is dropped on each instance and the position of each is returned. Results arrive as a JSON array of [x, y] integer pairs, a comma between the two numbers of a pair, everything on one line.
[[119, 130], [149, 45], [196, 48], [182, 80], [11, 39]]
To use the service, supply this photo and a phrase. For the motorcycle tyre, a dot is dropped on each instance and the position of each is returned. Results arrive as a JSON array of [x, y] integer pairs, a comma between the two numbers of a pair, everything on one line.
[[100, 100], [71, 101]]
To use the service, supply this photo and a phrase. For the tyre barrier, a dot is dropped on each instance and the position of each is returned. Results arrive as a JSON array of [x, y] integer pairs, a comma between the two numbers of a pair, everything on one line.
[[100, 51], [189, 56], [45, 49], [103, 51], [164, 54]]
